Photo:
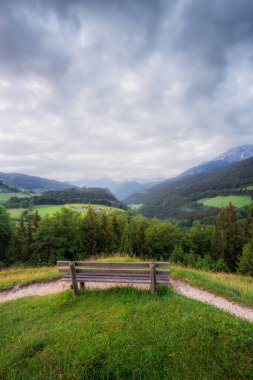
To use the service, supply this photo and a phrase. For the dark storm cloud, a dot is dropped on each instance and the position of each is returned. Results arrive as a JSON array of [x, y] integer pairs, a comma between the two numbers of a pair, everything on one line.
[[122, 88]]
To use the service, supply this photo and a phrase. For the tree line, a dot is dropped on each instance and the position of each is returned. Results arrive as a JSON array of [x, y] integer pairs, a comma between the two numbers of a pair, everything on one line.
[[71, 195], [226, 245]]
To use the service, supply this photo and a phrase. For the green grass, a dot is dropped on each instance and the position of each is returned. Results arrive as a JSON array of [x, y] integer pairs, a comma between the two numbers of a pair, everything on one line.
[[50, 210], [234, 287], [250, 187], [16, 213], [122, 333], [24, 276], [27, 275], [4, 197], [222, 201], [135, 206]]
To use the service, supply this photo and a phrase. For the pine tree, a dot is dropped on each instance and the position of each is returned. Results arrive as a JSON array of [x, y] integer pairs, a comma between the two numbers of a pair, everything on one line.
[[140, 243], [228, 237], [248, 230], [116, 230], [105, 243], [6, 232], [126, 244], [90, 232]]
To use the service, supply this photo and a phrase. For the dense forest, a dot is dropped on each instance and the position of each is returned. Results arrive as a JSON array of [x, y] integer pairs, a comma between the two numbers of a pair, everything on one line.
[[227, 245], [65, 196], [176, 197]]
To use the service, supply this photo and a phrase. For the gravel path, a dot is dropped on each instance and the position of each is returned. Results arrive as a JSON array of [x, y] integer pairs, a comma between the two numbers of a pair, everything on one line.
[[231, 307], [44, 288], [180, 286]]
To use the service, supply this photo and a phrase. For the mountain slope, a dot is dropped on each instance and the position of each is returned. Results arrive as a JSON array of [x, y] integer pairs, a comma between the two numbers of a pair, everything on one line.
[[177, 197], [32, 183], [225, 159]]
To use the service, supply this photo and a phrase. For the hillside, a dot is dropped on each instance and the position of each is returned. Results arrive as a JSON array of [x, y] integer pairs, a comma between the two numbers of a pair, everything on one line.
[[32, 183], [227, 158], [177, 197], [68, 196], [5, 187]]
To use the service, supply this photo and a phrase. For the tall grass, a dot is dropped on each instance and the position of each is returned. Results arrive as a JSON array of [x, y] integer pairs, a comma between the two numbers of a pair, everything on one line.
[[235, 287], [24, 276]]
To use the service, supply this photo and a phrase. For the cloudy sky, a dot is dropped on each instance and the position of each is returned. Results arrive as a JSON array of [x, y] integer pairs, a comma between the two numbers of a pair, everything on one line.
[[123, 88]]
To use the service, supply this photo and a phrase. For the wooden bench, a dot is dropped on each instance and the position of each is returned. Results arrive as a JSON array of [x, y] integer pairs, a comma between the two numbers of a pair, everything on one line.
[[122, 272]]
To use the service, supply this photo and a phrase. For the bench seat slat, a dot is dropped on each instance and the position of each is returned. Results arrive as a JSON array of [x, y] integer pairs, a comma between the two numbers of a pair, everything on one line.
[[112, 271], [119, 280], [115, 279], [100, 275], [112, 264]]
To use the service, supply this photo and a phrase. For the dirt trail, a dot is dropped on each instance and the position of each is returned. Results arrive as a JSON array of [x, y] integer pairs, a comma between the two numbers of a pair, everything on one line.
[[44, 288], [180, 286], [231, 307]]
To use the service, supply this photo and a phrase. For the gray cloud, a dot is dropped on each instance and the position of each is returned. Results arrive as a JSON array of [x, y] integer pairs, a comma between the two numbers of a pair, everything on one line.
[[122, 88]]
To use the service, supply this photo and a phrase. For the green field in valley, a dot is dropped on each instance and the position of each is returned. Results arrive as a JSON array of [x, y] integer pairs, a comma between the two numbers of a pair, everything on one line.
[[44, 210], [135, 206], [4, 197], [222, 201]]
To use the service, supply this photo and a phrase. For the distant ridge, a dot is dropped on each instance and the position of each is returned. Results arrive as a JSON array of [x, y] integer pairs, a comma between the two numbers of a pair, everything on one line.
[[121, 189], [32, 183], [177, 197], [227, 158]]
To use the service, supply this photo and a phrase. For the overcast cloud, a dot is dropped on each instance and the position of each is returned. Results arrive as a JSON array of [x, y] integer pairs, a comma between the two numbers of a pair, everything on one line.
[[123, 88]]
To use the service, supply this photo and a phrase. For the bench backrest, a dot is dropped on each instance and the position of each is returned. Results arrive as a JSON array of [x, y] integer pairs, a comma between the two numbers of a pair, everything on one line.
[[124, 272]]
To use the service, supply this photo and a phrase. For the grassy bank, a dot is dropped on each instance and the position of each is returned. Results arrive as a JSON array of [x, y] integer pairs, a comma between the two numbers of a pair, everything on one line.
[[232, 286], [24, 276], [122, 333]]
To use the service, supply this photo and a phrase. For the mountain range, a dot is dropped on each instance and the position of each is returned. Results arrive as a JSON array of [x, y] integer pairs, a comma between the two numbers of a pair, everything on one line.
[[121, 189], [152, 193], [177, 197], [231, 156]]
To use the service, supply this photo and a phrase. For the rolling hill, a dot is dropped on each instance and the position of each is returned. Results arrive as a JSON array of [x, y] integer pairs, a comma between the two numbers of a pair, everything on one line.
[[68, 196], [32, 183], [177, 197]]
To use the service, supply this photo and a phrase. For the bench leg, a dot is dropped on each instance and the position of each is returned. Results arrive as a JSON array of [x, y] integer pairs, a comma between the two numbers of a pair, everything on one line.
[[73, 276], [82, 285], [152, 278]]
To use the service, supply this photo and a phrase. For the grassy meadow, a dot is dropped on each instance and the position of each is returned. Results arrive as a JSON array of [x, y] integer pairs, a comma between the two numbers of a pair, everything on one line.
[[135, 206], [122, 333], [232, 286], [4, 197], [222, 201], [50, 210]]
